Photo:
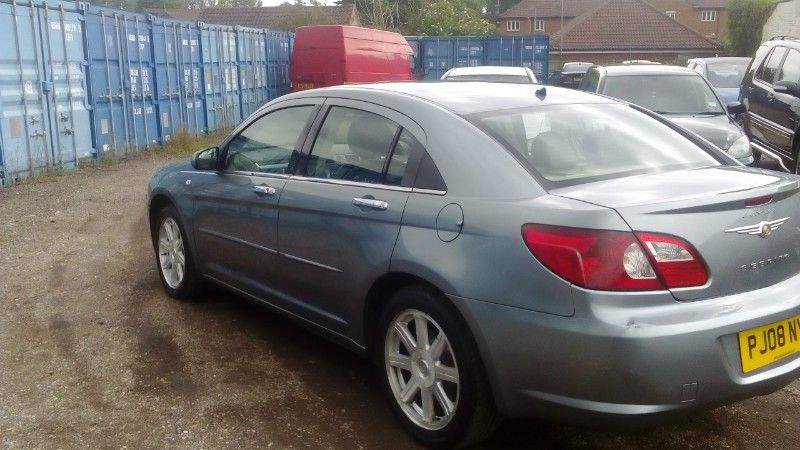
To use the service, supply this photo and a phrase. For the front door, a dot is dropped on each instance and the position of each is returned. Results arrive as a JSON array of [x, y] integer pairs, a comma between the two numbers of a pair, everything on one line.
[[236, 208], [340, 216]]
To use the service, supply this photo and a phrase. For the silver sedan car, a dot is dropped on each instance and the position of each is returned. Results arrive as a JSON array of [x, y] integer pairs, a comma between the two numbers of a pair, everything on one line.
[[498, 250]]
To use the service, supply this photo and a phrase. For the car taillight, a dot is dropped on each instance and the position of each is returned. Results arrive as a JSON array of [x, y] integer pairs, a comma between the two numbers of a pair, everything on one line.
[[615, 260], [676, 260]]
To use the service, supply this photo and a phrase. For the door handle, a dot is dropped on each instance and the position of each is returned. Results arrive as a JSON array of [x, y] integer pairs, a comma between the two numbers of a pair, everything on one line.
[[371, 203], [263, 189]]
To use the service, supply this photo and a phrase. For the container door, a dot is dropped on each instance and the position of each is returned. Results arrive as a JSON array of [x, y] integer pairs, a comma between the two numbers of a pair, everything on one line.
[[24, 143], [278, 53], [212, 77], [168, 96], [139, 81], [191, 85], [438, 57]]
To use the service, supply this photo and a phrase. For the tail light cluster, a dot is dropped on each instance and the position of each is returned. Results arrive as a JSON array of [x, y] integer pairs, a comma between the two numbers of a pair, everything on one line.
[[616, 260]]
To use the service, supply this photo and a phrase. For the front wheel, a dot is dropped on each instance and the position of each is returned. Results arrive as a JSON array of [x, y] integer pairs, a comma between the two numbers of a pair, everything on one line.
[[432, 372], [173, 256]]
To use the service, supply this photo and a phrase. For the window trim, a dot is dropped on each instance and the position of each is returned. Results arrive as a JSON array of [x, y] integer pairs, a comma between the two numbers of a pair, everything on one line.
[[708, 15], [514, 22], [536, 24]]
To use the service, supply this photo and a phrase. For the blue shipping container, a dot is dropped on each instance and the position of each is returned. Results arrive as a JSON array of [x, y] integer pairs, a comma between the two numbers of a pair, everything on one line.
[[435, 55], [44, 121]]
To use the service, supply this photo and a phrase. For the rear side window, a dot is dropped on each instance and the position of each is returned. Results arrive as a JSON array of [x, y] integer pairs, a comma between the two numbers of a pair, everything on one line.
[[790, 71], [353, 145], [572, 144], [769, 69], [268, 144]]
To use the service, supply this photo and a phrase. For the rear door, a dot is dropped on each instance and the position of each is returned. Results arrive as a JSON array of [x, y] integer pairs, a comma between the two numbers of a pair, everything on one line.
[[236, 208], [763, 109], [340, 217]]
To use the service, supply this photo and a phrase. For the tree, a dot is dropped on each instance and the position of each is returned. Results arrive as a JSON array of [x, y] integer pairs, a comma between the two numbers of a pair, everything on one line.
[[746, 19], [453, 17], [383, 14]]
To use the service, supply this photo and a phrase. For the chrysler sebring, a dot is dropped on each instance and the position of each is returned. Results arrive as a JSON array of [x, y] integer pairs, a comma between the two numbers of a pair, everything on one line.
[[498, 250]]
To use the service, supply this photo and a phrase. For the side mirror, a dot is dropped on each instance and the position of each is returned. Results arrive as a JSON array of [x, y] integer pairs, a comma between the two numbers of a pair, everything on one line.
[[787, 87], [205, 159], [735, 108]]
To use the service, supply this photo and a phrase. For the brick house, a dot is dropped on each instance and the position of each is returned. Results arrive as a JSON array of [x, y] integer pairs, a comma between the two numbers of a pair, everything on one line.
[[283, 17], [707, 17]]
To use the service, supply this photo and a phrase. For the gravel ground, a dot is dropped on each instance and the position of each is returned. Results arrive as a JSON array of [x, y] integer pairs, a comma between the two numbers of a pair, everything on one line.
[[93, 354]]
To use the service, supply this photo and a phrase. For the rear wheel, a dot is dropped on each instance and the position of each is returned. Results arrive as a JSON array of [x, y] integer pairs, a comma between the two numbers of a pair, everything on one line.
[[432, 372], [173, 256]]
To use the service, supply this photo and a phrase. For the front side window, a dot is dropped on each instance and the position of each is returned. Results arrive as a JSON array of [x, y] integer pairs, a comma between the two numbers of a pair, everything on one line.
[[573, 144], [268, 144], [352, 145], [769, 70], [665, 94], [790, 71], [708, 15], [512, 25]]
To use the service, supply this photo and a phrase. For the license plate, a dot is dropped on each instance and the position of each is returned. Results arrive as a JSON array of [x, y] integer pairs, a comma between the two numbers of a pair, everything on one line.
[[764, 345], [303, 85]]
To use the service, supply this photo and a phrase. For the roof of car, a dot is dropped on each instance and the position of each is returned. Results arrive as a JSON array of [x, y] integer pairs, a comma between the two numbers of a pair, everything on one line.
[[487, 70], [722, 59], [466, 97], [647, 69]]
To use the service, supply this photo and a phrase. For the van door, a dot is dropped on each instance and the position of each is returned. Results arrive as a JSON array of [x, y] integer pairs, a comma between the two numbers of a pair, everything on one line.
[[340, 217]]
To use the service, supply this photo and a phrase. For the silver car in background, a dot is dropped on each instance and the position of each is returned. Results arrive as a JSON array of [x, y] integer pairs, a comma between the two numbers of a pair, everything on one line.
[[504, 251], [492, 74]]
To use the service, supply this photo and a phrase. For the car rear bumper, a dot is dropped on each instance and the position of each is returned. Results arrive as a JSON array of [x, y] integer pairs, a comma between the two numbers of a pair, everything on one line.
[[628, 354]]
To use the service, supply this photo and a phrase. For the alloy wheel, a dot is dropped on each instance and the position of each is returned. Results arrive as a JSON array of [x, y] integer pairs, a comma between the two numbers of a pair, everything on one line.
[[422, 369], [171, 253]]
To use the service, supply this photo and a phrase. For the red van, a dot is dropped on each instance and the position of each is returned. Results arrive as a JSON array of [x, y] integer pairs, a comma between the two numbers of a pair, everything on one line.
[[330, 55]]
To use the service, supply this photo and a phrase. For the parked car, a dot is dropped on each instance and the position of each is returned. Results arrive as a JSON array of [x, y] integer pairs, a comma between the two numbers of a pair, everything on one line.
[[681, 95], [638, 61], [494, 74], [771, 93], [330, 55], [725, 74], [498, 253], [570, 74]]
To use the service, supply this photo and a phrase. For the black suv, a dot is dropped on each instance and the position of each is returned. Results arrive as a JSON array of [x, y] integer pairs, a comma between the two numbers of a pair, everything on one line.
[[771, 93]]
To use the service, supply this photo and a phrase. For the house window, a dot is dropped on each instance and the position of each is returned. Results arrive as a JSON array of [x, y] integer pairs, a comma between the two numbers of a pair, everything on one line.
[[672, 14], [512, 25], [539, 25], [708, 15]]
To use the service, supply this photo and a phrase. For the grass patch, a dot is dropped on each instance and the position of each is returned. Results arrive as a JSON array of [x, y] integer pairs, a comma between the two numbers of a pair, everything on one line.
[[183, 144]]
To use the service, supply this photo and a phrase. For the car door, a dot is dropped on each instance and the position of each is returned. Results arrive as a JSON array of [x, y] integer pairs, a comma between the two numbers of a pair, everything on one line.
[[340, 215], [761, 111], [785, 106], [236, 207]]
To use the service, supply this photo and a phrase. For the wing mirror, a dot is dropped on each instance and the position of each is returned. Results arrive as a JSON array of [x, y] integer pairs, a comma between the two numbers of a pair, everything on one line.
[[206, 159], [787, 87], [735, 108]]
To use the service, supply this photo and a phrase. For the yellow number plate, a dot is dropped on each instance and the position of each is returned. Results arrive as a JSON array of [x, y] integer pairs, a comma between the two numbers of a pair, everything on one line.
[[764, 345], [303, 85]]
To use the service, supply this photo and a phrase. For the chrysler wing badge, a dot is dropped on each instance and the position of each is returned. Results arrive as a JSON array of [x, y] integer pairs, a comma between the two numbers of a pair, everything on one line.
[[763, 229]]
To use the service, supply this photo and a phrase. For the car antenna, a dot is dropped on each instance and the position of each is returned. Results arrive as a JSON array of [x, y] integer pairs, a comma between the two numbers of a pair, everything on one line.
[[541, 93]]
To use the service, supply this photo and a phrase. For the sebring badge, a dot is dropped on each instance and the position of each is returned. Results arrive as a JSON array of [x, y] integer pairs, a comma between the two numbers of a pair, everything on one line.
[[763, 229]]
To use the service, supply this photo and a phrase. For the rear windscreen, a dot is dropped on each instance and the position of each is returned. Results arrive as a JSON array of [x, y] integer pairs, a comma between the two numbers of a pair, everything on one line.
[[571, 144]]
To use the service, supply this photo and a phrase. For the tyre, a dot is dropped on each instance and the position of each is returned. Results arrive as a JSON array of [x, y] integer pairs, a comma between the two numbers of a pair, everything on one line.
[[431, 371], [173, 255]]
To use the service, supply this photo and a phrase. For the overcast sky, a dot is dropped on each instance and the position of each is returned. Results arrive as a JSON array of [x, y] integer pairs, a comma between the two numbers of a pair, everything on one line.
[[278, 2]]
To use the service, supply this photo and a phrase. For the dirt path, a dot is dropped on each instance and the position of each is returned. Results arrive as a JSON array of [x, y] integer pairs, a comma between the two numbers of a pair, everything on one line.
[[93, 354]]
